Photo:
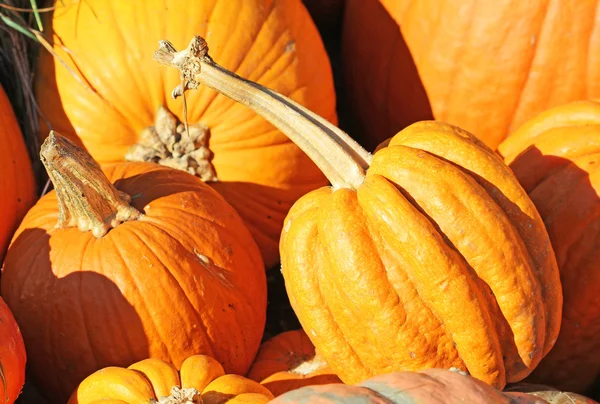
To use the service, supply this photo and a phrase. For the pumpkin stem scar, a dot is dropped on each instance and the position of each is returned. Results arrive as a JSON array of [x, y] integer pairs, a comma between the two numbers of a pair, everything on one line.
[[86, 198], [169, 143], [180, 396], [338, 156]]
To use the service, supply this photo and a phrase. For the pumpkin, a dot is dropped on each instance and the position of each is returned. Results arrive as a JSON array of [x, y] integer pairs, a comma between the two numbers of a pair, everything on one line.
[[429, 386], [484, 66], [431, 243], [140, 261], [18, 183], [547, 393], [556, 158], [12, 356], [287, 362], [115, 101], [200, 379]]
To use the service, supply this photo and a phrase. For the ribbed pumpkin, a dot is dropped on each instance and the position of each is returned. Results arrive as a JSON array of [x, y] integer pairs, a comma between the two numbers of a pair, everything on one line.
[[122, 97], [12, 356], [17, 184], [201, 379], [486, 66], [435, 386], [288, 361], [434, 257], [156, 265], [556, 157]]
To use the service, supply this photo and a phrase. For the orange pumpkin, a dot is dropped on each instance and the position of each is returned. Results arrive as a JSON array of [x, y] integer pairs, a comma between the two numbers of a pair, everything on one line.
[[287, 362], [17, 187], [484, 66], [156, 265], [556, 157], [201, 379], [12, 356], [431, 243], [121, 98]]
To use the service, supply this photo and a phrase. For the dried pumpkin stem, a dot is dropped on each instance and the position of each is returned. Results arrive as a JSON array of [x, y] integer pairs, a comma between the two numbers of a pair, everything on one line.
[[338, 156], [180, 396], [86, 198]]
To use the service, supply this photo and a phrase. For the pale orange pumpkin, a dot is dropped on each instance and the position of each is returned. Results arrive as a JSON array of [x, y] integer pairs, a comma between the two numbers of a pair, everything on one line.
[[139, 261], [201, 379], [289, 361], [17, 183], [122, 98], [430, 244], [556, 158]]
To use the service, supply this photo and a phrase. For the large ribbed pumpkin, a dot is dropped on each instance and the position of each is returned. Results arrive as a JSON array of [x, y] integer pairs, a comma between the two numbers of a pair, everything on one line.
[[119, 97], [427, 254], [432, 386], [201, 379], [486, 66], [12, 356], [556, 157], [17, 184], [156, 265]]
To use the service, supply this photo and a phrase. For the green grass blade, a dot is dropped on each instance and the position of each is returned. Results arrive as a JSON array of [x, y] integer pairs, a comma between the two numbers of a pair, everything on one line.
[[36, 13], [17, 27]]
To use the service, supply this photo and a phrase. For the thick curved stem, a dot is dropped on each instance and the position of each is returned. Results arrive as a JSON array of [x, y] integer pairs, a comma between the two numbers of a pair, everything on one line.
[[338, 156], [86, 198]]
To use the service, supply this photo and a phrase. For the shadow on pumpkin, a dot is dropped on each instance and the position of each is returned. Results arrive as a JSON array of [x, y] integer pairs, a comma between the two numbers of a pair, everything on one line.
[[72, 324], [568, 200], [383, 88]]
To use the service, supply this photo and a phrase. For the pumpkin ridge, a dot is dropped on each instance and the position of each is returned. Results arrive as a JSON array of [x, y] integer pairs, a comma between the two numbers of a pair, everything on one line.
[[92, 348], [402, 296], [197, 316], [135, 282]]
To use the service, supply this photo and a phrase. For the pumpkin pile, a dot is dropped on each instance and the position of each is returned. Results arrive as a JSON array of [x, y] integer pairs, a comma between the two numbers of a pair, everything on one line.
[[211, 233]]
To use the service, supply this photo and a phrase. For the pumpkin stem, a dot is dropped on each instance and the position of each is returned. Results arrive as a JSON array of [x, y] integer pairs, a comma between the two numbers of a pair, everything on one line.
[[86, 198], [336, 154], [169, 143], [180, 396]]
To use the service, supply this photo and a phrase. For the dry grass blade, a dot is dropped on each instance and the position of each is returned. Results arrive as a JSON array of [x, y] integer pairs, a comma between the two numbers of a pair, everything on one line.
[[19, 46]]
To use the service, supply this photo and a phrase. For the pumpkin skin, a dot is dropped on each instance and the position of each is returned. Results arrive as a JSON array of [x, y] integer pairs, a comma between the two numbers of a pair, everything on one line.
[[547, 393], [556, 158], [261, 173], [431, 241], [287, 362], [184, 278], [152, 379], [427, 386], [517, 59], [17, 186], [12, 356]]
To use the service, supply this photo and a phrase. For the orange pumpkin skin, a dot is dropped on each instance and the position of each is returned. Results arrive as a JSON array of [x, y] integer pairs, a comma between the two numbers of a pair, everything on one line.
[[435, 386], [185, 278], [484, 66], [12, 356], [17, 186], [556, 157], [439, 250], [152, 379], [287, 362], [261, 173]]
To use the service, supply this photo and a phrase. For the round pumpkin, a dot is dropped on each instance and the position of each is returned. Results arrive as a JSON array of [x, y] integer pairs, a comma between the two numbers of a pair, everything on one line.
[[556, 158], [156, 265], [201, 378], [113, 96], [17, 187], [431, 243], [484, 66], [287, 362], [429, 386], [12, 356]]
